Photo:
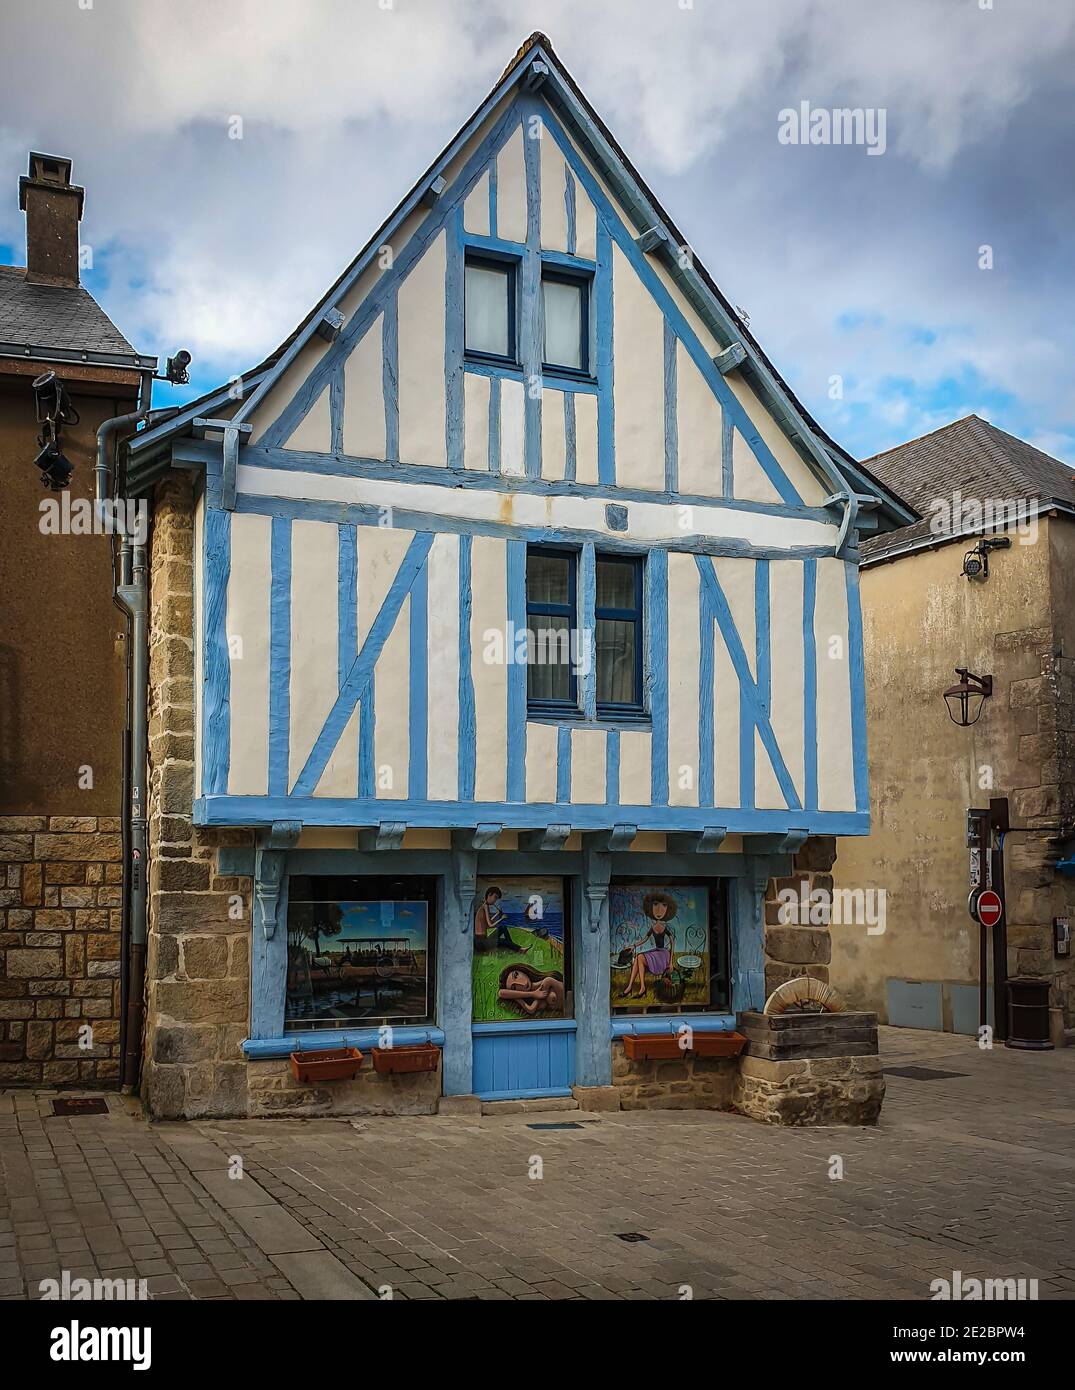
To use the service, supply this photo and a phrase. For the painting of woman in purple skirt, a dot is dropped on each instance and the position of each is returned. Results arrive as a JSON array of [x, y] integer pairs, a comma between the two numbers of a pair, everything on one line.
[[653, 951], [659, 940]]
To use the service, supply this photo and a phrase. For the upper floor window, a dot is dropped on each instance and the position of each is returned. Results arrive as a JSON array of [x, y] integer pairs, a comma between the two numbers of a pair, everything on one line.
[[489, 308], [618, 634], [566, 304], [556, 652], [551, 589]]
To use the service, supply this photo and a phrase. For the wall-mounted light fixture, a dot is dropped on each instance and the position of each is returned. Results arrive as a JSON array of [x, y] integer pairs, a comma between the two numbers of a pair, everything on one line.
[[976, 561], [54, 410], [966, 699]]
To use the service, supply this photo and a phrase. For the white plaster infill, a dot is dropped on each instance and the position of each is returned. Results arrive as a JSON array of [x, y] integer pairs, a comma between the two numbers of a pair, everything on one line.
[[653, 522]]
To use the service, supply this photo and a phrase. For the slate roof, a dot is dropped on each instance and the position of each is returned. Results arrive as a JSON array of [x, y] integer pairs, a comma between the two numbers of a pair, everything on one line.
[[973, 458], [52, 318]]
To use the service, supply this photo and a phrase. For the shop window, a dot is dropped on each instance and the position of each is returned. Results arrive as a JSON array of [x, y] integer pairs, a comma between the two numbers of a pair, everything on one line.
[[669, 946], [522, 950], [360, 951], [489, 309]]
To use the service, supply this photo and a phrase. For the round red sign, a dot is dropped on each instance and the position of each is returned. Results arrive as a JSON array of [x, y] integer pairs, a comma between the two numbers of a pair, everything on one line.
[[989, 907]]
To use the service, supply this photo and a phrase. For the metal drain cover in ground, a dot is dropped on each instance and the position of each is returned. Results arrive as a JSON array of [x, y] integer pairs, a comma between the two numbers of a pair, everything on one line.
[[80, 1105], [923, 1073], [631, 1236], [563, 1124]]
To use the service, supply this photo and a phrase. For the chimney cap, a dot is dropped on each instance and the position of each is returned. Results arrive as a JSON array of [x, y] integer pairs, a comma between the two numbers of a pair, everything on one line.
[[51, 172]]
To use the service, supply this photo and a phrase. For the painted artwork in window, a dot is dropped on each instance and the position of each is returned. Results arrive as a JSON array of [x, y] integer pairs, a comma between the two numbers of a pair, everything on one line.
[[520, 945], [352, 961], [659, 937]]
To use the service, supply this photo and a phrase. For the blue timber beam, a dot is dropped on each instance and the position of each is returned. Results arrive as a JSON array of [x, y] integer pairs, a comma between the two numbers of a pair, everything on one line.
[[270, 853], [233, 435]]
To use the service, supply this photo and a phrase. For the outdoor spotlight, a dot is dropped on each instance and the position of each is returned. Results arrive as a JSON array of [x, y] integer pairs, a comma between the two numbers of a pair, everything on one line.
[[52, 401], [976, 561], [56, 468], [966, 699], [176, 369]]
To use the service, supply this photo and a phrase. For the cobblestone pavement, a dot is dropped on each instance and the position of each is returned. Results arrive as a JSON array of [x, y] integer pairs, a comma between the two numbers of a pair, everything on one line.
[[973, 1173]]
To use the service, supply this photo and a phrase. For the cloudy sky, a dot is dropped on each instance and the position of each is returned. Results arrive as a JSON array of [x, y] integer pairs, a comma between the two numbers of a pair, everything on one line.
[[864, 267]]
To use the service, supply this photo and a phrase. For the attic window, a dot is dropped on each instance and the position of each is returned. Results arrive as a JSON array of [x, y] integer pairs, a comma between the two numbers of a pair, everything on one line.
[[566, 302], [489, 309]]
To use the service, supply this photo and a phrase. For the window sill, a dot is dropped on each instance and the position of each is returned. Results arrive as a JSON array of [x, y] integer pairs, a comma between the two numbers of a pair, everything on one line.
[[643, 1025], [255, 1049], [577, 719]]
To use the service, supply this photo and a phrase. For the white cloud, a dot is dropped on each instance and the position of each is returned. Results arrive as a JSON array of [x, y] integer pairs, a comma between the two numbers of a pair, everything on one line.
[[343, 104]]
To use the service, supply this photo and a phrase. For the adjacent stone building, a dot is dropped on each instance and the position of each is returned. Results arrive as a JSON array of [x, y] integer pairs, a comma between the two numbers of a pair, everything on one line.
[[1013, 620], [62, 660]]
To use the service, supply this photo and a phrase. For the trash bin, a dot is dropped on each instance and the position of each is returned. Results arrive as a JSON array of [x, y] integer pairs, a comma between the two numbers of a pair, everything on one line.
[[1028, 1014]]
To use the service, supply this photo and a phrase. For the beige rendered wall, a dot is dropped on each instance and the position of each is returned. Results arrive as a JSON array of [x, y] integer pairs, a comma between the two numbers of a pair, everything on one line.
[[921, 619]]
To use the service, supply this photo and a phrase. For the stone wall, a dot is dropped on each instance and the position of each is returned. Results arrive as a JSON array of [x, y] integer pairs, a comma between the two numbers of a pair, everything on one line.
[[274, 1091], [797, 948], [198, 962], [60, 921], [684, 1083], [810, 1069]]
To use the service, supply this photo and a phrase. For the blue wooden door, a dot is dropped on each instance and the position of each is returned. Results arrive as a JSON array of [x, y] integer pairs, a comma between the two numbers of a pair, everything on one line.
[[514, 1061]]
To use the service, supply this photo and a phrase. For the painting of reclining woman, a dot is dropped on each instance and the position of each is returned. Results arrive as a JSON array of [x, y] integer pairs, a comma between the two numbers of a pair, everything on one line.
[[519, 946]]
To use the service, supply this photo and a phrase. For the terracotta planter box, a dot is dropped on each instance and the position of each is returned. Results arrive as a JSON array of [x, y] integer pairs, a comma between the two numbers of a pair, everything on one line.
[[718, 1044], [334, 1064], [422, 1057], [654, 1047]]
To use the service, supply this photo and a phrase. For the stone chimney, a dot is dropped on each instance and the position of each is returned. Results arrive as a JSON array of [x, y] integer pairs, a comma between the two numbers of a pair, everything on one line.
[[53, 207]]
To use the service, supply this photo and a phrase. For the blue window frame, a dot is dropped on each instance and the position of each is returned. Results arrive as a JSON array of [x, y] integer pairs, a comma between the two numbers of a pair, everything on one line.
[[565, 298], [551, 619], [489, 308], [618, 636]]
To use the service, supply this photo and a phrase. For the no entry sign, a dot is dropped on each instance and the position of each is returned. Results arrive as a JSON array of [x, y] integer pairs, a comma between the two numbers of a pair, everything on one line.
[[989, 909]]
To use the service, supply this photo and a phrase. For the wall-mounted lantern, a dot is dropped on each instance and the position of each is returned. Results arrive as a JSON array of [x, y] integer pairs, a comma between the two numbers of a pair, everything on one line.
[[966, 699]]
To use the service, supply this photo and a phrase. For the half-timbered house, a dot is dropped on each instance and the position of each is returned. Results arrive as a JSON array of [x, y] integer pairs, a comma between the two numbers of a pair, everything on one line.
[[520, 601]]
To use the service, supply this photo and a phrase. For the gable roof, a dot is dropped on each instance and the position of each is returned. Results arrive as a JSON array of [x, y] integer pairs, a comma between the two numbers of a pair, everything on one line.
[[53, 322], [536, 63], [973, 458]]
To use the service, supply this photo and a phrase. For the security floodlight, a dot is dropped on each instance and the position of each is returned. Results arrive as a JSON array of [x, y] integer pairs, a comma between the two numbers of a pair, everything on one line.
[[176, 369], [56, 468], [976, 561], [52, 401]]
